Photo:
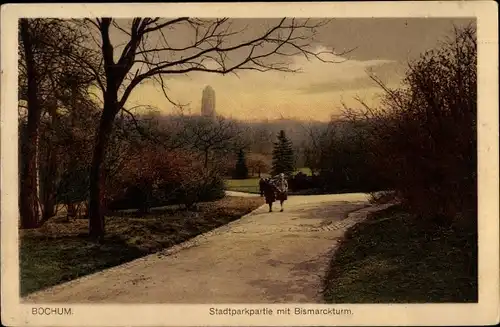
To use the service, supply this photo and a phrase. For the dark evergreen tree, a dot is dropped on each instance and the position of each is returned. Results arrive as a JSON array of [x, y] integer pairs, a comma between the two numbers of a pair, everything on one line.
[[241, 169], [283, 159]]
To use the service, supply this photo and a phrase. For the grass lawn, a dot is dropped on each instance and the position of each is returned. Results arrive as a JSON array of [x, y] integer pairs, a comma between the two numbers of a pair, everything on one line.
[[392, 259], [59, 251], [249, 185]]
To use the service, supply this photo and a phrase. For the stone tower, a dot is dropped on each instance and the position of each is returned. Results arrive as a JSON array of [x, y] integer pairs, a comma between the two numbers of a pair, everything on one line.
[[208, 102]]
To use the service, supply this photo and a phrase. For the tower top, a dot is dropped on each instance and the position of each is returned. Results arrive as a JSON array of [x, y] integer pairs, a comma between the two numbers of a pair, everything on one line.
[[208, 88], [208, 102]]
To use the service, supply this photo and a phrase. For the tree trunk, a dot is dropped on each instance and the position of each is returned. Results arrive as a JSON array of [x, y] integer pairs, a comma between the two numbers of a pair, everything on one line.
[[145, 206], [28, 203], [49, 186], [71, 210], [114, 77], [206, 159], [48, 172], [97, 176]]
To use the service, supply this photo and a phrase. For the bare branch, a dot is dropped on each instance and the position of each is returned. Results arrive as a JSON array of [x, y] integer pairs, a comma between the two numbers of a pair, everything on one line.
[[209, 46], [166, 24], [179, 105]]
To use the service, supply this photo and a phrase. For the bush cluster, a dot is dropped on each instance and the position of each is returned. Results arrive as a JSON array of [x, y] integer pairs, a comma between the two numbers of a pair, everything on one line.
[[425, 141]]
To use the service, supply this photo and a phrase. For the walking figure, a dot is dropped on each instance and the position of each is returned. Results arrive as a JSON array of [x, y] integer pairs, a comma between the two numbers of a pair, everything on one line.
[[268, 190], [281, 189], [262, 186], [274, 189]]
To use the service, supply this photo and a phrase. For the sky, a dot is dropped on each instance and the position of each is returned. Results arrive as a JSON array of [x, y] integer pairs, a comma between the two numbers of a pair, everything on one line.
[[382, 46]]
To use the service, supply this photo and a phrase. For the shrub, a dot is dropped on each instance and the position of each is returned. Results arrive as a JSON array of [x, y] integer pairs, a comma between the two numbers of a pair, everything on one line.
[[152, 177], [240, 169], [258, 164], [200, 184], [214, 190], [423, 138], [301, 181], [346, 160]]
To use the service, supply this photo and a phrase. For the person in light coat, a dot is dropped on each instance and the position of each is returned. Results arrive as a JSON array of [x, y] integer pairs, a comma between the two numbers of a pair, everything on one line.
[[281, 189]]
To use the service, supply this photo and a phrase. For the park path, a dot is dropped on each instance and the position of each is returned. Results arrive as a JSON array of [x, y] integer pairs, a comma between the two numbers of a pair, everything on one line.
[[277, 257]]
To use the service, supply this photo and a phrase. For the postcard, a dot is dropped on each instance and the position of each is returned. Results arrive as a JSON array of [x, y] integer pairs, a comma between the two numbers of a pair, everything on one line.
[[250, 164]]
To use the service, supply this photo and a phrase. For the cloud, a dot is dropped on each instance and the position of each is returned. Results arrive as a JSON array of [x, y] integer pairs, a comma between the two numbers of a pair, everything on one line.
[[389, 72], [347, 74], [254, 95]]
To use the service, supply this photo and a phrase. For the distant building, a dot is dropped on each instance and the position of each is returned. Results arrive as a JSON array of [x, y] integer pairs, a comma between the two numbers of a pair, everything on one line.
[[208, 102]]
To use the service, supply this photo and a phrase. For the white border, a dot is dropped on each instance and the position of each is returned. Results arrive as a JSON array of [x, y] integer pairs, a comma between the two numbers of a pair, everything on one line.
[[484, 312]]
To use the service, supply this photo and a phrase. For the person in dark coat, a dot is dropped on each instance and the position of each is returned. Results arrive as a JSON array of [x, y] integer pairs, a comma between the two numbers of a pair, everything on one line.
[[262, 182], [268, 190]]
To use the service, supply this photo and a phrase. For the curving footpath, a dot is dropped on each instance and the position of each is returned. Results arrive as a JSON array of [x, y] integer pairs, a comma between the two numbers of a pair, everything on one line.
[[277, 257]]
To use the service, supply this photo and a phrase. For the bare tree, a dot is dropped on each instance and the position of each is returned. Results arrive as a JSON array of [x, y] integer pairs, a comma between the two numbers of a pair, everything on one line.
[[316, 144], [259, 163], [209, 136], [150, 53]]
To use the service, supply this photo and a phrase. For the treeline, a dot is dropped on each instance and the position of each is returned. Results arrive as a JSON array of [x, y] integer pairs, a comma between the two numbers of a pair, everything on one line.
[[260, 137], [340, 157]]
